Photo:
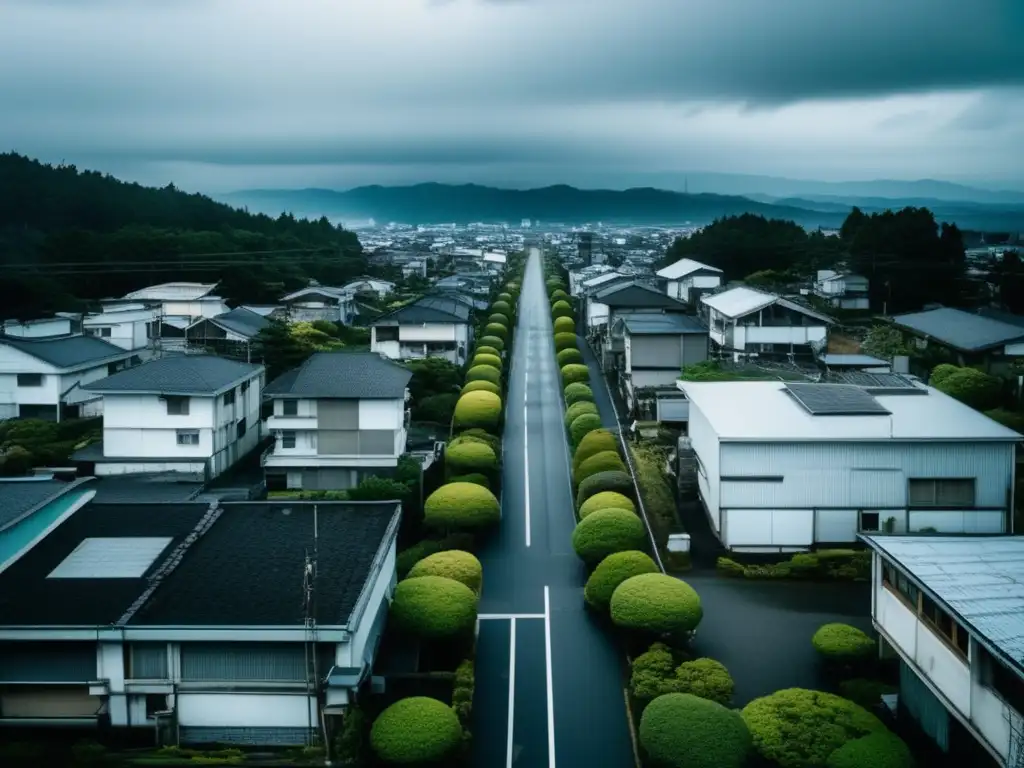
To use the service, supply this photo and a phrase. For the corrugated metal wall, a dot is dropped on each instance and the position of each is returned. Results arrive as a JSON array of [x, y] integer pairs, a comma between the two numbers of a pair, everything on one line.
[[924, 706], [244, 662], [282, 737]]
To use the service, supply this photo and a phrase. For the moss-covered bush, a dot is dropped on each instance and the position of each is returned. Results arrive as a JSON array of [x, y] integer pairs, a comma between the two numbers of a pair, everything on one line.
[[553, 284], [575, 373], [481, 386], [706, 678], [569, 357], [409, 556], [619, 482], [461, 506], [494, 342], [582, 426], [496, 329], [611, 572], [578, 409], [578, 393], [468, 455], [415, 731], [678, 730], [605, 532], [882, 749], [799, 728], [655, 603], [606, 461], [596, 442], [481, 436], [564, 325], [558, 295], [500, 319], [483, 358], [484, 373], [565, 341], [843, 643], [502, 308], [561, 309], [485, 350], [472, 477], [455, 564], [605, 500], [649, 671], [478, 409], [434, 607]]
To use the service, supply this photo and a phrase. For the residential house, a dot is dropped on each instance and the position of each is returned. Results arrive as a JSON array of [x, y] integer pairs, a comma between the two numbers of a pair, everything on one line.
[[964, 338], [63, 324], [192, 300], [622, 299], [320, 302], [193, 414], [578, 277], [842, 290], [269, 311], [233, 623], [744, 322], [952, 610], [232, 334], [433, 326], [337, 418], [373, 286], [687, 280], [43, 378], [655, 349], [129, 326], [782, 467]]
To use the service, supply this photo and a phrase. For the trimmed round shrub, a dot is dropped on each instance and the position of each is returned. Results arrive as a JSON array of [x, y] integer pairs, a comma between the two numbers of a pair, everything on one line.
[[473, 477], [679, 730], [882, 749], [501, 308], [478, 409], [482, 436], [505, 295], [565, 341], [576, 393], [583, 425], [799, 728], [495, 342], [561, 309], [606, 461], [606, 532], [706, 678], [559, 295], [611, 572], [597, 441], [482, 358], [434, 607], [500, 319], [553, 284], [606, 500], [484, 373], [578, 409], [841, 642], [575, 373], [469, 455], [496, 329], [564, 325], [656, 603], [481, 386], [484, 350], [568, 357], [619, 482], [416, 730], [461, 505], [455, 564]]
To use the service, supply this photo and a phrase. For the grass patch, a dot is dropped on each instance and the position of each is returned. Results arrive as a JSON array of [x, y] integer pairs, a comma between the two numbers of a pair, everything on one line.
[[659, 501], [823, 565]]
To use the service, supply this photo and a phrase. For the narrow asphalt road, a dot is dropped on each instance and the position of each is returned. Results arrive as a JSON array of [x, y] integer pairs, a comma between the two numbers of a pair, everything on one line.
[[549, 681]]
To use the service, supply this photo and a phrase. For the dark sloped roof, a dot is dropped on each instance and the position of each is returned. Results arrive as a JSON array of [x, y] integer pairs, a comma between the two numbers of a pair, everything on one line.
[[20, 497], [67, 351], [636, 295], [960, 330], [242, 321], [429, 309], [350, 375], [652, 324], [180, 374]]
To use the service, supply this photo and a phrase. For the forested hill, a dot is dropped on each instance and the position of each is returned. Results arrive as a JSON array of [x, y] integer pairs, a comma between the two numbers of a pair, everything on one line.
[[67, 234]]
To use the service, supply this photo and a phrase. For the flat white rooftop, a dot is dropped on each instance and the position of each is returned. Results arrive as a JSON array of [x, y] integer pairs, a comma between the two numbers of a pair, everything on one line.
[[764, 411]]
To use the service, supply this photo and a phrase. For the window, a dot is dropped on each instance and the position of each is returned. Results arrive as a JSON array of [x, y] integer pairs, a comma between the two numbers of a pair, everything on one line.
[[897, 582], [188, 437], [177, 406], [387, 333], [290, 407], [113, 368], [945, 625], [245, 387], [229, 397], [155, 702], [1006, 684], [240, 429], [953, 492], [30, 379], [101, 332], [869, 521], [287, 439]]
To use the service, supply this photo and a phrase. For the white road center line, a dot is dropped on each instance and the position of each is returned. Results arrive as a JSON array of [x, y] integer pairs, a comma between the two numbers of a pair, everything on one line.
[[551, 690], [509, 751], [508, 616], [526, 460]]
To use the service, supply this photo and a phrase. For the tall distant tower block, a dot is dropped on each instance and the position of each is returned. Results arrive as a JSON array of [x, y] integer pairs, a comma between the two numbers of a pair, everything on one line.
[[585, 244]]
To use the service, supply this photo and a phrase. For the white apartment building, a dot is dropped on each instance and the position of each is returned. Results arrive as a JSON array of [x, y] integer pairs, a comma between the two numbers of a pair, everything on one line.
[[686, 278], [952, 609], [192, 300], [339, 417], [129, 326], [44, 378], [434, 326], [782, 467], [194, 414]]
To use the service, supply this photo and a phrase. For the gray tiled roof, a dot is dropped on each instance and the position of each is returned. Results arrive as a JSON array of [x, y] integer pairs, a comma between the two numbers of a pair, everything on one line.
[[429, 309], [178, 375], [355, 375], [67, 351], [960, 330], [650, 323], [242, 321], [22, 496], [636, 295]]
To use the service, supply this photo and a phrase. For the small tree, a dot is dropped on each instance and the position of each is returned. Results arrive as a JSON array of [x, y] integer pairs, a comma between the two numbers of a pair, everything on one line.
[[971, 387], [884, 342]]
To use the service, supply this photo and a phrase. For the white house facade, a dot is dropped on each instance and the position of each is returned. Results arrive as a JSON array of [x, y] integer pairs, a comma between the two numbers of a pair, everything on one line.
[[41, 328], [782, 467], [192, 300], [320, 302], [135, 328], [686, 279], [842, 290], [434, 326]]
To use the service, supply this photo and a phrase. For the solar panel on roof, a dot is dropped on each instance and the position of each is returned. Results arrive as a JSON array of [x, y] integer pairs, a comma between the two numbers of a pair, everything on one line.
[[836, 400]]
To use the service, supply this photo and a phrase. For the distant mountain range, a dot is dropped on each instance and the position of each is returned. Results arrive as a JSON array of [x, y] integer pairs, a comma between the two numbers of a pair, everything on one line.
[[439, 203]]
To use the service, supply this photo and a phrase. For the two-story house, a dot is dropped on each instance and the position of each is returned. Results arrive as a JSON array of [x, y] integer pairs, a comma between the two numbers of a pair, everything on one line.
[[434, 326], [231, 334], [191, 300], [337, 418], [632, 298], [952, 610], [320, 302], [44, 378], [842, 290], [192, 414], [62, 324], [129, 326], [687, 280], [744, 322]]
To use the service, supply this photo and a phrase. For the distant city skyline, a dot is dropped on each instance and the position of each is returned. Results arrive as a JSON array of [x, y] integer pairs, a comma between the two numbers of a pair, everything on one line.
[[220, 95]]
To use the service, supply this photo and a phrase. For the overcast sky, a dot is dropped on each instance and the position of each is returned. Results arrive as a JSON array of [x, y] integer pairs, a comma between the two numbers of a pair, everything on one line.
[[225, 94]]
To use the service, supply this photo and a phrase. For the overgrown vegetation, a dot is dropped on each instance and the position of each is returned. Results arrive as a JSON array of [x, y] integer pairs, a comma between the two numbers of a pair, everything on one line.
[[825, 564]]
